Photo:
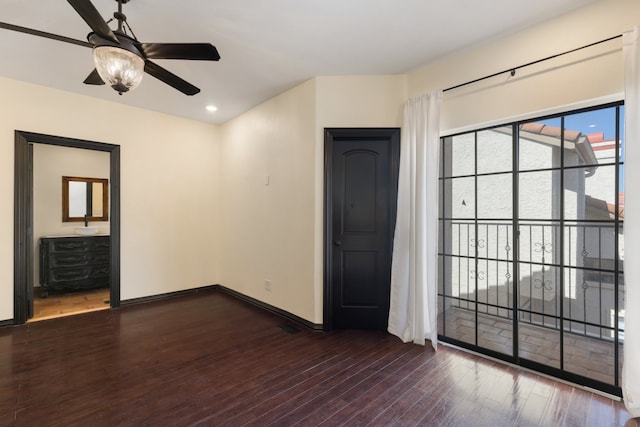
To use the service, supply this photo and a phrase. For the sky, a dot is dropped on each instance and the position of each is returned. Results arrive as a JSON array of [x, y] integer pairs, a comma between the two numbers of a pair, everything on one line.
[[591, 122], [602, 120]]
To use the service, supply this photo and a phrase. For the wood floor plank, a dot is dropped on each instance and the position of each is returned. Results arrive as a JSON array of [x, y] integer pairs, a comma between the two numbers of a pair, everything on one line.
[[394, 402], [280, 401], [295, 408], [209, 359], [317, 406]]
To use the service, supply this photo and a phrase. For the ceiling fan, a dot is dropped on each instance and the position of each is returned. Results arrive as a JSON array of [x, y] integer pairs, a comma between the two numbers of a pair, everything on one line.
[[120, 58]]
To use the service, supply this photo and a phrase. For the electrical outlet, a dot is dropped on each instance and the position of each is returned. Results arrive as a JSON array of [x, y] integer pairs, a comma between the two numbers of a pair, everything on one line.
[[267, 285]]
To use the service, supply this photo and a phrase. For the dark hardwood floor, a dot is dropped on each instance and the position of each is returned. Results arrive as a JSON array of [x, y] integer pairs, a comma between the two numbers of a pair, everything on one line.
[[209, 359]]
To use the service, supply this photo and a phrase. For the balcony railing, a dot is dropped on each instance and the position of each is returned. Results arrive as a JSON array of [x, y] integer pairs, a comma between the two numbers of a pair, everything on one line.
[[569, 275]]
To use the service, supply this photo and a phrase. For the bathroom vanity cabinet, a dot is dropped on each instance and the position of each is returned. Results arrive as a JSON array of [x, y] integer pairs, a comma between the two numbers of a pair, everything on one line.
[[74, 263]]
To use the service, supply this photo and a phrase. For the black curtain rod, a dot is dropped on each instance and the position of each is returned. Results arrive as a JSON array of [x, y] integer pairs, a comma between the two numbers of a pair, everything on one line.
[[513, 69]]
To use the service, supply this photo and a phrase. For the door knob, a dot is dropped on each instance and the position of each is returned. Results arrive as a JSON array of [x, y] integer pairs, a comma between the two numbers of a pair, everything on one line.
[[337, 243]]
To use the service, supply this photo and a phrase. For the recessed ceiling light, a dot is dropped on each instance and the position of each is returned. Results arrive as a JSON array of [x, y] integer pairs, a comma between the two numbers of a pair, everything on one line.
[[212, 108]]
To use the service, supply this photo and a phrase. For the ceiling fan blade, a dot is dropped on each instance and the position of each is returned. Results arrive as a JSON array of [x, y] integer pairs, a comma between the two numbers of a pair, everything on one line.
[[194, 51], [169, 78], [46, 35], [92, 17], [93, 78]]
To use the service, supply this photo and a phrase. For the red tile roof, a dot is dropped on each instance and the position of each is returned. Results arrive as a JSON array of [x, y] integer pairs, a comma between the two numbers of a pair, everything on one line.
[[552, 131]]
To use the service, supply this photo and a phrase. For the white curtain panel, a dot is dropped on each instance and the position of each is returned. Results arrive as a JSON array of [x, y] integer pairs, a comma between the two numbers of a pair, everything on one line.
[[631, 362], [414, 269]]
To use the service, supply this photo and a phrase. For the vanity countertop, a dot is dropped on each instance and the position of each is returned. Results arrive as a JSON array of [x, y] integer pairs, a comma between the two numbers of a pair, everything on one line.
[[72, 235]]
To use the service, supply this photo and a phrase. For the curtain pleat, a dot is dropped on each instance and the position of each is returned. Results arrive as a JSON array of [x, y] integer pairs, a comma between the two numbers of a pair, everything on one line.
[[631, 361], [414, 271]]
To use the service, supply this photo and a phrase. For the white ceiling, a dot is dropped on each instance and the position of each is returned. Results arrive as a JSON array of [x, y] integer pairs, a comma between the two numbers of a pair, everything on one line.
[[267, 46]]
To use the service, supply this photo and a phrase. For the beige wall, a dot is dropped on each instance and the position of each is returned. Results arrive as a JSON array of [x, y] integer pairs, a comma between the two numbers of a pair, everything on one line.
[[584, 78], [274, 232], [168, 176], [282, 126], [50, 164], [267, 230], [196, 207]]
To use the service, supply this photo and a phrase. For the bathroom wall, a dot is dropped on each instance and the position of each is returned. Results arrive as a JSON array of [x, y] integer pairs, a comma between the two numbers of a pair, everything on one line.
[[50, 164]]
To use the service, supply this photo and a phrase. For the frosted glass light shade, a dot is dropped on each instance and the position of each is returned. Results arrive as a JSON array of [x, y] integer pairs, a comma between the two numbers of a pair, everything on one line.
[[120, 68]]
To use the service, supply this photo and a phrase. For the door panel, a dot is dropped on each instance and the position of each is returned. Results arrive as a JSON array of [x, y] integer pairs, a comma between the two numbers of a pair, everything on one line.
[[359, 270], [361, 198]]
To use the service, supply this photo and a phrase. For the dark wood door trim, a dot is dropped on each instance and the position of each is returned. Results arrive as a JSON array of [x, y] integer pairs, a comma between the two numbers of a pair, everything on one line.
[[23, 218], [330, 135]]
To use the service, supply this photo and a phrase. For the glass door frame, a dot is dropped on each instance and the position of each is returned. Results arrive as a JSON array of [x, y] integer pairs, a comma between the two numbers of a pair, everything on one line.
[[473, 259]]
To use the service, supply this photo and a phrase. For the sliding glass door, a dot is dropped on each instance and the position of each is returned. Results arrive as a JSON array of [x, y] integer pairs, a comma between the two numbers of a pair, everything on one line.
[[531, 244]]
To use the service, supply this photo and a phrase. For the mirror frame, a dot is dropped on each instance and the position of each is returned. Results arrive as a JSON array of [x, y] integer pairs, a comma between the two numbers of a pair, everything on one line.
[[65, 199]]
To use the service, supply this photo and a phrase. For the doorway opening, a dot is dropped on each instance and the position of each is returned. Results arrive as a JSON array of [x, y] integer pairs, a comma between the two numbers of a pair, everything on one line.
[[23, 218]]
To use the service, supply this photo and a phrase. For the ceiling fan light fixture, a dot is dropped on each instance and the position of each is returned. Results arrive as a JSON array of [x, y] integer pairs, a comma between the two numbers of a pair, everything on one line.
[[118, 67]]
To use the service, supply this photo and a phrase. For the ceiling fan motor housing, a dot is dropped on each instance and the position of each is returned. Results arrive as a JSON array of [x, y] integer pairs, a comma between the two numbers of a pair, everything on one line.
[[126, 42]]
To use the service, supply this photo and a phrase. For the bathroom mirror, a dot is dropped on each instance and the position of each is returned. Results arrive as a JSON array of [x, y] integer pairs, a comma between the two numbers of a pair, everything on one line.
[[85, 197]]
